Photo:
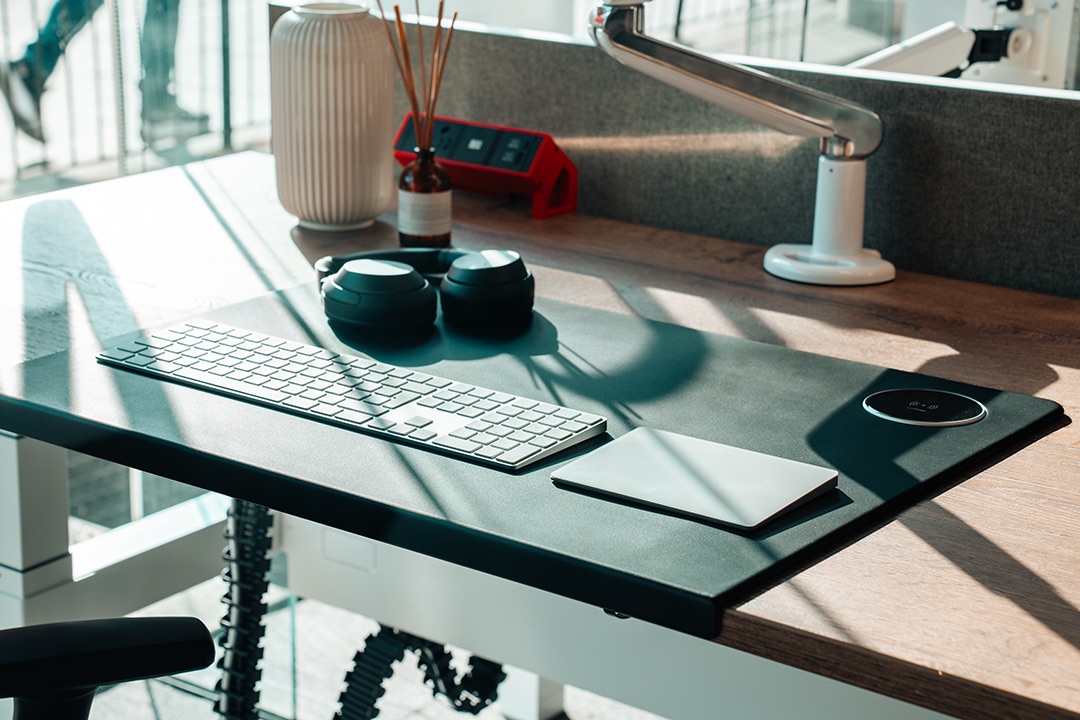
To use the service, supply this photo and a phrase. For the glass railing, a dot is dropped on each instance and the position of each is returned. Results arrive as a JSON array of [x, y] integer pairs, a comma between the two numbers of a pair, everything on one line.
[[99, 117]]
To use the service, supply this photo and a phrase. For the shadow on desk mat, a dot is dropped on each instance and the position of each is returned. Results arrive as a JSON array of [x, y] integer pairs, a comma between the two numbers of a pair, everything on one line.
[[651, 565]]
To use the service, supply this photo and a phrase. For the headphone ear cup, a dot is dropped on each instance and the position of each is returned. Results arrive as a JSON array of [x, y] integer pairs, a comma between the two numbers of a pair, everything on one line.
[[487, 288], [379, 294]]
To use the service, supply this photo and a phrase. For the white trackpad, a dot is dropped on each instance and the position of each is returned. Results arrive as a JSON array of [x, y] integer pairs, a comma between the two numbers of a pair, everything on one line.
[[697, 477]]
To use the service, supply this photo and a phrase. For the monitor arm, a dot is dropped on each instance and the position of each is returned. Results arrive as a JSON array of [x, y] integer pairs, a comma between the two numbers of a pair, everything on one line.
[[849, 134]]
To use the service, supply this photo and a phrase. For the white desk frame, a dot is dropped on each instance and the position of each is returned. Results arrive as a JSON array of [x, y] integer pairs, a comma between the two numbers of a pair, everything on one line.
[[637, 663]]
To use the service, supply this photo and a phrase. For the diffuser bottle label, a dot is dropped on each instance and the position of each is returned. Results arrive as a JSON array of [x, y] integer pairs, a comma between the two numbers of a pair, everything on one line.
[[424, 214]]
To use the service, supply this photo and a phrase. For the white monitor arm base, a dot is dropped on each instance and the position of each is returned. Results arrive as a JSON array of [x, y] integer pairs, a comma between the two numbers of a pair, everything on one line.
[[849, 134], [836, 255]]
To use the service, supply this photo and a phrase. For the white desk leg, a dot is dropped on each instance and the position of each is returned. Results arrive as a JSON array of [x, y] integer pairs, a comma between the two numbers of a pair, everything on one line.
[[526, 696], [33, 525], [42, 579], [33, 528]]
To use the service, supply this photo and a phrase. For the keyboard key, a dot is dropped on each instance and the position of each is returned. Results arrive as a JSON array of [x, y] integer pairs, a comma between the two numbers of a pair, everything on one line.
[[399, 400], [166, 367], [361, 407], [454, 443], [518, 454], [381, 424], [324, 409], [353, 416]]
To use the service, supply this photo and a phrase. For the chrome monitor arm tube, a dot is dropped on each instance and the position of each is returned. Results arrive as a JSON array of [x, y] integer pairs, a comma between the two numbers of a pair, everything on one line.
[[849, 135]]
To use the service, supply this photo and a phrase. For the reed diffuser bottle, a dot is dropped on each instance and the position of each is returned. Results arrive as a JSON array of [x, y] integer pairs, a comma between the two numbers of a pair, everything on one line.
[[424, 188], [424, 202]]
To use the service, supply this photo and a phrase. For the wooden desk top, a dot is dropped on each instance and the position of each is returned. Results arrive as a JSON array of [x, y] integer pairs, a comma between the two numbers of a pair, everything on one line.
[[969, 603]]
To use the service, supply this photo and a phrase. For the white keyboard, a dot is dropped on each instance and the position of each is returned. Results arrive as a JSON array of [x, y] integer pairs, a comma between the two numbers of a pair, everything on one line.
[[466, 421]]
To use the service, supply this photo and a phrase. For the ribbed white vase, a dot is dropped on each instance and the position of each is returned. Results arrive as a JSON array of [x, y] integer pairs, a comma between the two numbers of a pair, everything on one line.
[[332, 124]]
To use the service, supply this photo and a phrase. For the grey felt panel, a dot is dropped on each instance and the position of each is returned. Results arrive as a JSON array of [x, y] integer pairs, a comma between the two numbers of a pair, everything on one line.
[[974, 184]]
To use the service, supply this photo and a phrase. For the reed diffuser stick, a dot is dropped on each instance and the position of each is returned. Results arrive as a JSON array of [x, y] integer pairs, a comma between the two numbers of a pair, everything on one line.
[[422, 100], [410, 79], [390, 39], [423, 72], [435, 52], [442, 63]]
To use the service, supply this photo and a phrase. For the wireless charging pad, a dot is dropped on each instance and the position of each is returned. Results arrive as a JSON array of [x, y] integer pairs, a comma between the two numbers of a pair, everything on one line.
[[919, 406]]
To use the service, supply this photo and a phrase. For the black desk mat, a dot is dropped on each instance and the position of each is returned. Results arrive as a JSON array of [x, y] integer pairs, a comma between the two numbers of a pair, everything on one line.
[[658, 567]]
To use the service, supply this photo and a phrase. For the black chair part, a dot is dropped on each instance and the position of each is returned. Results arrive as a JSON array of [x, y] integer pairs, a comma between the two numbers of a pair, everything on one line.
[[53, 670]]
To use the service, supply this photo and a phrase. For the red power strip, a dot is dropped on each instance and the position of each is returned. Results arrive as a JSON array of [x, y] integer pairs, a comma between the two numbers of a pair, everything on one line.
[[498, 160]]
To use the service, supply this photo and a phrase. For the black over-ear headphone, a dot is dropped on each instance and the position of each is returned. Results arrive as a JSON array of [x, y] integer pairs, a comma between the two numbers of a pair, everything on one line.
[[387, 288]]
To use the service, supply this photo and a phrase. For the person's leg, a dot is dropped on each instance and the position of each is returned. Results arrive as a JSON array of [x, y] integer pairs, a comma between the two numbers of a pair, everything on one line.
[[160, 28], [162, 117], [66, 19], [23, 81]]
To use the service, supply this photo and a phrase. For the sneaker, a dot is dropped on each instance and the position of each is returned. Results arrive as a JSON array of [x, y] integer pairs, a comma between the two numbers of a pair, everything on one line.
[[23, 101], [168, 121]]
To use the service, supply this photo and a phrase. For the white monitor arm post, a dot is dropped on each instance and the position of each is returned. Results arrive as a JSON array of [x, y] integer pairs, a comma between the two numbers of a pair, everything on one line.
[[849, 135]]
